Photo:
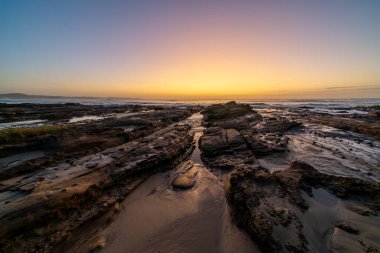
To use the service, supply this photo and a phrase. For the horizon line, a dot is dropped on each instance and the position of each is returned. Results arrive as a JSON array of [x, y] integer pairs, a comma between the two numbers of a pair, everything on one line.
[[30, 96]]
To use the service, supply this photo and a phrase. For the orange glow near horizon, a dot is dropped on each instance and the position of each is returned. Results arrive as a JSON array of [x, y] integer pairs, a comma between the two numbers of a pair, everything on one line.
[[206, 49]]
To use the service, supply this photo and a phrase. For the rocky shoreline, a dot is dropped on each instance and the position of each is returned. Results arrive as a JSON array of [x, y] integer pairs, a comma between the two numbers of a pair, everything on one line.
[[62, 141], [271, 207], [45, 199], [292, 183]]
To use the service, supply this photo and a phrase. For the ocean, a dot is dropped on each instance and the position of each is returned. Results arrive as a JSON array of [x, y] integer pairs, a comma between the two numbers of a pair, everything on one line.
[[323, 104]]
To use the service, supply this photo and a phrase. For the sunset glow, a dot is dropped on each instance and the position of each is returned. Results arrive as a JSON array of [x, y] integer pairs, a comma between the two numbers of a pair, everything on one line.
[[178, 49]]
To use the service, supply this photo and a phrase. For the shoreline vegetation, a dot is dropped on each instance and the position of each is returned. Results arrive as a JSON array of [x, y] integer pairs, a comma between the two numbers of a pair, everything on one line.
[[15, 135]]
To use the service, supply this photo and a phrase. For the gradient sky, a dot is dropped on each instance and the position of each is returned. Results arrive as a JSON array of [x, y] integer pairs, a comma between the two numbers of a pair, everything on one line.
[[191, 49]]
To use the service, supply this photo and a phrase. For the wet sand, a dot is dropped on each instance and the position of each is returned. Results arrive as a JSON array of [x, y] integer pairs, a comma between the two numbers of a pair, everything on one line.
[[324, 236], [159, 218]]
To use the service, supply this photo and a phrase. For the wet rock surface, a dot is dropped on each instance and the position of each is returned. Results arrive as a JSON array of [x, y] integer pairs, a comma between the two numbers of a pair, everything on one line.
[[278, 200], [291, 181], [256, 199], [43, 208], [266, 205], [159, 217], [367, 124], [59, 140], [223, 148]]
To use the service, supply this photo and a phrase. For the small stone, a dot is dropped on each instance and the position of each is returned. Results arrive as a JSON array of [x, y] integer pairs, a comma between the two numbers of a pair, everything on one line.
[[183, 182]]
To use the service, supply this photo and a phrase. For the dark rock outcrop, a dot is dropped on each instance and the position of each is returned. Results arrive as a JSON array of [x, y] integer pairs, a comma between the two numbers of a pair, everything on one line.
[[68, 141], [265, 204], [226, 111], [224, 148], [59, 199]]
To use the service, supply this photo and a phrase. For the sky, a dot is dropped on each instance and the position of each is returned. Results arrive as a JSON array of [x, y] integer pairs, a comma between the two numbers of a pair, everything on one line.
[[191, 49]]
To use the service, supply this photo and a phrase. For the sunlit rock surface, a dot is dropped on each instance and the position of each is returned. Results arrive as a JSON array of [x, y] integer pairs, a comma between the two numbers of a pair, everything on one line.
[[42, 208]]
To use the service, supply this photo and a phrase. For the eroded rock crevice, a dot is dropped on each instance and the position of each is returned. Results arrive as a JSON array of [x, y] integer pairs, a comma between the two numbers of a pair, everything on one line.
[[274, 207]]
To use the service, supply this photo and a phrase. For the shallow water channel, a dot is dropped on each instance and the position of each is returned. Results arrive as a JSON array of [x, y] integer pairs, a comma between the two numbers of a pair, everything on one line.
[[158, 218]]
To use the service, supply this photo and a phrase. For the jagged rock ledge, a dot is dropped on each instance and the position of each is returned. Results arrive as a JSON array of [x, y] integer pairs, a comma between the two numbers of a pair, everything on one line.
[[265, 205], [48, 205]]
